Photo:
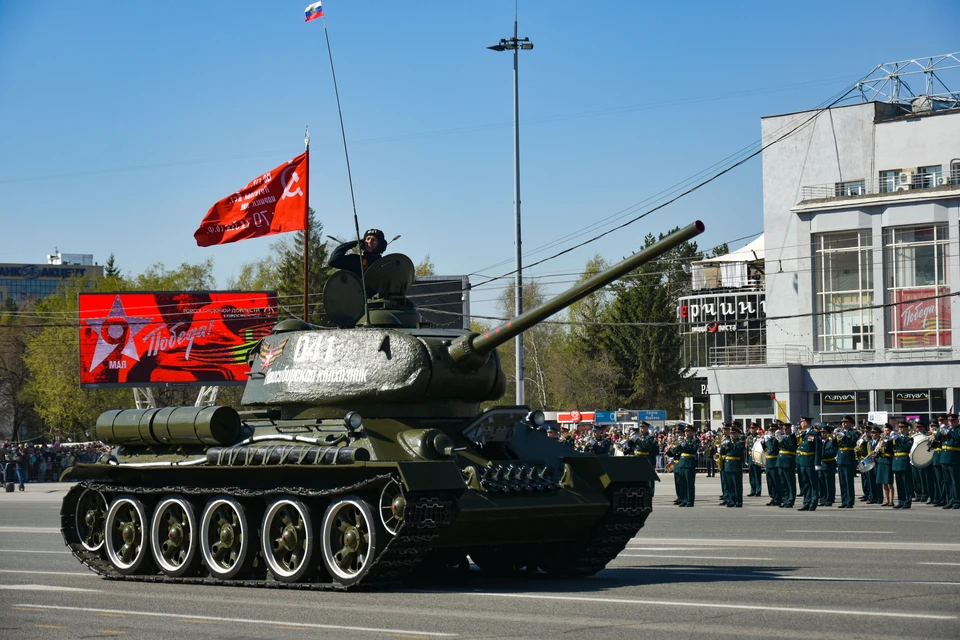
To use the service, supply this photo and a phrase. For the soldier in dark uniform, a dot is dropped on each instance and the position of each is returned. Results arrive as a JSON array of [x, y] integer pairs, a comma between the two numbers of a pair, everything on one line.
[[732, 453], [602, 443], [902, 473], [846, 461], [939, 494], [771, 449], [809, 456], [861, 451], [923, 479], [371, 248], [828, 466], [754, 470], [645, 444], [724, 483], [686, 465], [787, 464], [950, 460], [884, 468]]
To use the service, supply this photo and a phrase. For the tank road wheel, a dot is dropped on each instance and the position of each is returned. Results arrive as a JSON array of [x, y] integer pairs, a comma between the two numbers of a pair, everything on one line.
[[392, 505], [90, 517], [125, 527], [226, 539], [173, 536], [287, 540], [349, 540]]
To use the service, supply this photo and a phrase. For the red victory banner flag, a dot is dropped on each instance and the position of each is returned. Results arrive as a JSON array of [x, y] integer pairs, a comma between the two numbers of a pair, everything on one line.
[[274, 202]]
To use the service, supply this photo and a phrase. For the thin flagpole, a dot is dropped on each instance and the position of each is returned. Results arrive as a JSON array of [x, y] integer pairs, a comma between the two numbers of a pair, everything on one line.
[[306, 229], [343, 134]]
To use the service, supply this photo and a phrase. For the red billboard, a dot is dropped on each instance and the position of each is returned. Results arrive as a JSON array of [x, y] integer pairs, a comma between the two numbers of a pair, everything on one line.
[[921, 319], [171, 338]]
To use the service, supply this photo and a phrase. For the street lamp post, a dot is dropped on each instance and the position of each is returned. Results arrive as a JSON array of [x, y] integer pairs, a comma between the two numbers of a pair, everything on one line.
[[515, 44]]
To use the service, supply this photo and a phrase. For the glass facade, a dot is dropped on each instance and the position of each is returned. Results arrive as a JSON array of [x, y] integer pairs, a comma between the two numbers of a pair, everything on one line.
[[22, 282], [725, 329], [916, 267], [831, 406], [843, 282], [924, 404]]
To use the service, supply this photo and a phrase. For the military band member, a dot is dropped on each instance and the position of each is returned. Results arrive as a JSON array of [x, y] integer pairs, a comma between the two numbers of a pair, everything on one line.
[[846, 461], [939, 482], [902, 473], [646, 445], [787, 464], [950, 460], [724, 483], [828, 466], [884, 468], [686, 466], [754, 470], [809, 455], [924, 478], [732, 452], [861, 451], [771, 450]]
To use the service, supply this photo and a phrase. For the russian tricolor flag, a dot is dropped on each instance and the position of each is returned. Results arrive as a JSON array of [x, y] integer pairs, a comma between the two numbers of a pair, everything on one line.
[[314, 11]]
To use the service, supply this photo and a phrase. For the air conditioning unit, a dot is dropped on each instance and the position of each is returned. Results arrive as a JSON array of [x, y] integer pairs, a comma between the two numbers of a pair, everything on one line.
[[904, 187], [906, 177], [942, 181]]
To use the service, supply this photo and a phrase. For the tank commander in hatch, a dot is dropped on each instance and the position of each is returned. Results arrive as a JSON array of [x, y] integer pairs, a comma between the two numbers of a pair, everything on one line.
[[371, 249]]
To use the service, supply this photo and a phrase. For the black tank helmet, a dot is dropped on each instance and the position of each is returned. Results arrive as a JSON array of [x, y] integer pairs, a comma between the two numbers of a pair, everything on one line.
[[382, 239]]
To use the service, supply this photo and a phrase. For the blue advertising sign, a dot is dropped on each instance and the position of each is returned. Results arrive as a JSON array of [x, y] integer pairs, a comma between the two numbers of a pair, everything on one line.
[[604, 417], [651, 415]]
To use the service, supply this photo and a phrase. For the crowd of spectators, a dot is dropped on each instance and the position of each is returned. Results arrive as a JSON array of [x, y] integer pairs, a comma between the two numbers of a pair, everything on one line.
[[33, 462]]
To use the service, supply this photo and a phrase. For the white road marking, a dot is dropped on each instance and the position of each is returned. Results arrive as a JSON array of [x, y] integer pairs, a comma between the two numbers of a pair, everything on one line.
[[805, 578], [813, 544], [41, 587], [942, 564], [32, 551], [51, 573], [703, 548], [709, 605], [657, 555], [29, 529], [824, 532], [157, 614]]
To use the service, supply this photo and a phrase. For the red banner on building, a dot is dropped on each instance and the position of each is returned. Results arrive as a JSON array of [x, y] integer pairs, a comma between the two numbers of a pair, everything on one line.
[[275, 202], [921, 319], [171, 338]]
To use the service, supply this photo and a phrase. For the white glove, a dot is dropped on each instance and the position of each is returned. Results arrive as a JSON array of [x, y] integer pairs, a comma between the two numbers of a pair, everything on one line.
[[817, 468]]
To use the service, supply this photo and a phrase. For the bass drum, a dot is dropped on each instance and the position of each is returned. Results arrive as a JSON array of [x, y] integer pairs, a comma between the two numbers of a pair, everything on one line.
[[865, 465], [758, 455], [921, 455]]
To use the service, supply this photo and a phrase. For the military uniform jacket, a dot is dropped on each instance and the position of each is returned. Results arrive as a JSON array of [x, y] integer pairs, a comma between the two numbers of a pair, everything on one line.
[[809, 449], [647, 446], [831, 447], [901, 452], [950, 446], [748, 447], [685, 453], [771, 447], [788, 452], [846, 454], [732, 453]]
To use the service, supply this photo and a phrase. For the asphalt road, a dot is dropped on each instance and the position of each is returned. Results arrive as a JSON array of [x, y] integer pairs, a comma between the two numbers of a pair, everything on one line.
[[706, 572]]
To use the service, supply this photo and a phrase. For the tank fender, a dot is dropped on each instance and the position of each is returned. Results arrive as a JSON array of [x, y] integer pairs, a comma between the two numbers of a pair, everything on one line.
[[433, 475], [606, 471]]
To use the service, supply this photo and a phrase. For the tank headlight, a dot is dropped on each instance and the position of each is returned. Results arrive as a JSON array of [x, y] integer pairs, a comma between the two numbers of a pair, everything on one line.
[[352, 421], [535, 418]]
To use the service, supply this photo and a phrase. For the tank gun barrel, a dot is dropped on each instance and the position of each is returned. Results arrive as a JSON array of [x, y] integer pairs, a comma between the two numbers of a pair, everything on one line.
[[473, 346]]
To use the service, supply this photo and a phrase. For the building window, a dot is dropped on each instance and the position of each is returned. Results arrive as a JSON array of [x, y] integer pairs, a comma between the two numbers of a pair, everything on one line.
[[843, 282], [928, 177], [854, 188], [908, 404], [890, 180], [831, 406], [916, 266], [954, 177]]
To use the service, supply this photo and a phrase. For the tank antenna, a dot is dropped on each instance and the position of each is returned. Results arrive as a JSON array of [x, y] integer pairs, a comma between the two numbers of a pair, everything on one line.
[[346, 154]]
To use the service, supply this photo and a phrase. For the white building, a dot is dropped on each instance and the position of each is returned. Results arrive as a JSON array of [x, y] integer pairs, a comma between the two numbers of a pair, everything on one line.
[[854, 285]]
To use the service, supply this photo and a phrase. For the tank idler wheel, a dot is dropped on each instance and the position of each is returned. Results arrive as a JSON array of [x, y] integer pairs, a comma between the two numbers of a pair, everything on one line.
[[124, 538], [90, 517], [392, 505], [173, 537], [287, 540], [227, 540], [350, 539]]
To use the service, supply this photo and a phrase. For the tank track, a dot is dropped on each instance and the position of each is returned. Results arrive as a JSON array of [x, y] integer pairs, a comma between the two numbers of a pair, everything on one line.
[[425, 518], [630, 507]]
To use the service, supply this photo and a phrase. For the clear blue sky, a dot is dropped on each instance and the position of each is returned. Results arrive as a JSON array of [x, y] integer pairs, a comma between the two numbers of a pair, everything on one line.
[[121, 122]]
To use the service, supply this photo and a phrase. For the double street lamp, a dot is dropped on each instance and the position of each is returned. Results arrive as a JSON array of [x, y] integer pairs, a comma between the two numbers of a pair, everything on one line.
[[515, 44]]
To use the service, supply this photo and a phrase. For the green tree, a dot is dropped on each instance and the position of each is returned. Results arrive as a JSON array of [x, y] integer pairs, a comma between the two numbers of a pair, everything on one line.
[[290, 275], [15, 410], [110, 269], [426, 267], [186, 277]]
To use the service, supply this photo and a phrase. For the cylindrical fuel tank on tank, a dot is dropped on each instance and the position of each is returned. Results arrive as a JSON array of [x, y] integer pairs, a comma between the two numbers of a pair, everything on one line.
[[169, 425]]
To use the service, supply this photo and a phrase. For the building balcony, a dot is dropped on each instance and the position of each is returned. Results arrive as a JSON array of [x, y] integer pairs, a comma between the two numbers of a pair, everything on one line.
[[752, 355], [895, 186]]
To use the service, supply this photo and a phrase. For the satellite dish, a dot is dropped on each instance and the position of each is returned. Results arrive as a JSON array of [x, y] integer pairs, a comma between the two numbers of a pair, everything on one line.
[[390, 276], [343, 298]]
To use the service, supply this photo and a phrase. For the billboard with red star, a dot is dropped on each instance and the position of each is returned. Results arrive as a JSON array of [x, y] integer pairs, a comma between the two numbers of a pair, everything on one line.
[[171, 338]]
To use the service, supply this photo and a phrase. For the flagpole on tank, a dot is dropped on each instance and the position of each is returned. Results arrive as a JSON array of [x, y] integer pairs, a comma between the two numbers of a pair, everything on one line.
[[306, 227], [346, 154]]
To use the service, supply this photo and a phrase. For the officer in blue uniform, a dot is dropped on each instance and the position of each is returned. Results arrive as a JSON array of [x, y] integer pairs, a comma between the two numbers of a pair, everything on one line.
[[846, 461], [828, 466], [809, 456], [787, 464], [754, 470], [732, 452], [902, 473], [771, 450], [645, 444]]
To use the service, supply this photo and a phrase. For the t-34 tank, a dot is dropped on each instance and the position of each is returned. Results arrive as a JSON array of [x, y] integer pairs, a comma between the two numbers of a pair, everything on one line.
[[365, 455]]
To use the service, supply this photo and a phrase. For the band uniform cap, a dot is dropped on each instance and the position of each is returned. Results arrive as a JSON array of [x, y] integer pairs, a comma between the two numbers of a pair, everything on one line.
[[827, 427], [876, 427], [689, 427], [736, 428], [951, 415], [807, 418], [644, 423], [753, 423], [941, 416], [848, 419]]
